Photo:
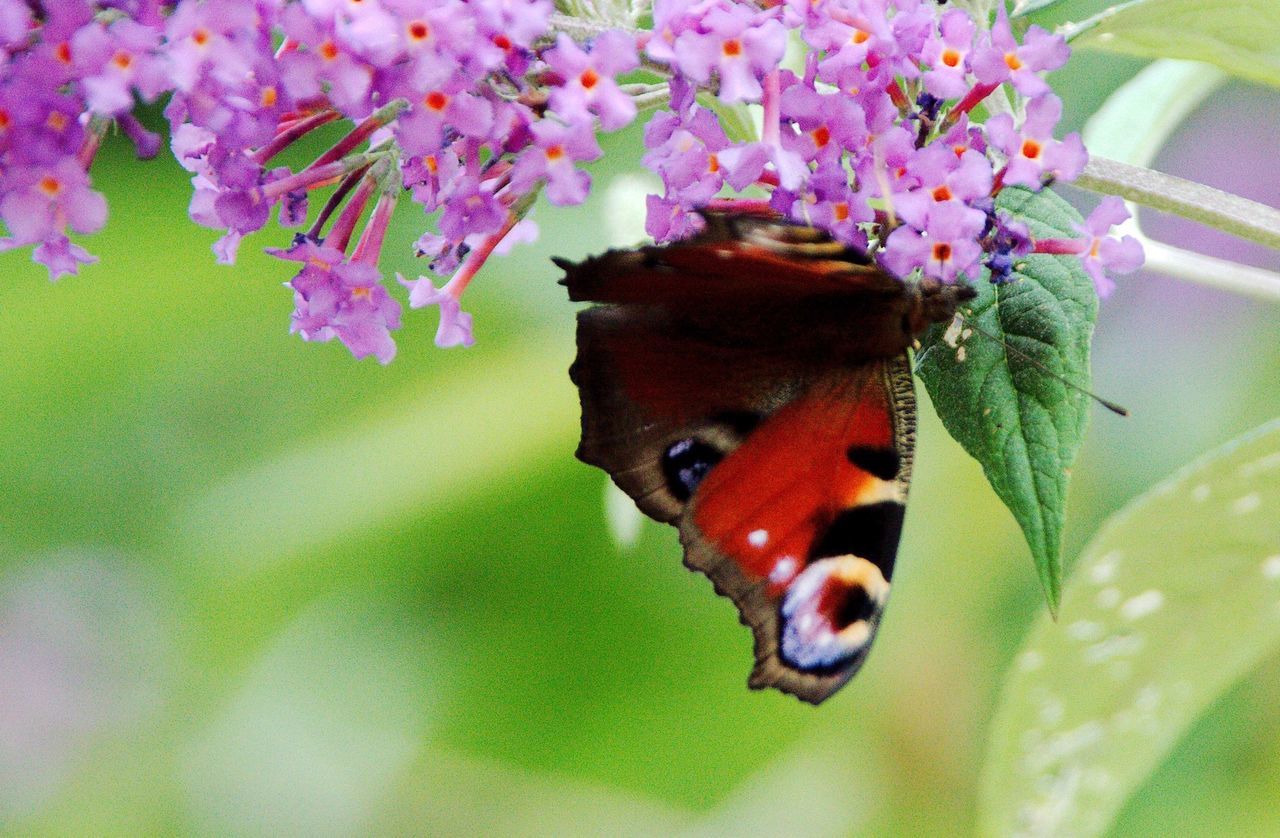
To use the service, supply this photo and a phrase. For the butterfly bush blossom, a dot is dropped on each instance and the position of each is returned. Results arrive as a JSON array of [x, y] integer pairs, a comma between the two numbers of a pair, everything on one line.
[[471, 109]]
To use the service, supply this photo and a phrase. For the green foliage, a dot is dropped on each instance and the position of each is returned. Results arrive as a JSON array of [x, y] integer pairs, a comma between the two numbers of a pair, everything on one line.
[[1175, 600], [1241, 37], [1138, 118], [1026, 7], [1022, 424]]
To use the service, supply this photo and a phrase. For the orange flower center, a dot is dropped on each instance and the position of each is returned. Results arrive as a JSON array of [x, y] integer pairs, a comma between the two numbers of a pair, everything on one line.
[[821, 136], [201, 36], [859, 37], [951, 57], [328, 50], [841, 211], [732, 48], [419, 31], [269, 97], [122, 60], [502, 42], [63, 52], [57, 120], [1013, 61], [942, 193], [360, 292], [1031, 149], [435, 100], [555, 152], [713, 163], [432, 164], [50, 185], [942, 251]]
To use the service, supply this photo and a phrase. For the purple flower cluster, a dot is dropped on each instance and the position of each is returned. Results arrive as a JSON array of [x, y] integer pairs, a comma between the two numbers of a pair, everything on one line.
[[871, 138], [476, 107]]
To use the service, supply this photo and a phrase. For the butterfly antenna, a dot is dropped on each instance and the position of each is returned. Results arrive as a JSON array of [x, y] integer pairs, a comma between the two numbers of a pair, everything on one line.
[[1109, 405]]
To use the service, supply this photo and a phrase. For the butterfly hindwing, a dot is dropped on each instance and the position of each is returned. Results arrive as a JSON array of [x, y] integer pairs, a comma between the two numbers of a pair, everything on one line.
[[799, 525]]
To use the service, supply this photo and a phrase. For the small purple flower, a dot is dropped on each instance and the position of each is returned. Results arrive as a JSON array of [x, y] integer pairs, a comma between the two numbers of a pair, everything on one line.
[[1034, 155], [1010, 240], [112, 62], [1005, 60], [430, 175], [668, 220], [39, 203], [685, 152], [346, 300], [553, 157], [455, 324], [829, 124], [589, 87], [446, 108], [832, 205], [941, 176], [1100, 252], [947, 247], [736, 43], [946, 54], [470, 207]]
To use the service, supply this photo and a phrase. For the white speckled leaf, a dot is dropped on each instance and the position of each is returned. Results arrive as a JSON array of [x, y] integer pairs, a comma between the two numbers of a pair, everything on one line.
[[1176, 599]]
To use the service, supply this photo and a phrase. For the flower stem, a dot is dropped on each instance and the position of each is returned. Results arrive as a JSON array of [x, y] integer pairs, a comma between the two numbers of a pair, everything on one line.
[[968, 103], [379, 118], [370, 244], [1210, 271], [340, 235], [771, 101], [335, 200], [581, 29], [299, 128], [312, 178], [1233, 214]]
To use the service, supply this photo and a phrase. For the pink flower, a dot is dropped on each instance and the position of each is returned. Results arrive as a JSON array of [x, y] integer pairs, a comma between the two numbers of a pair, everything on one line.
[[1005, 60], [1034, 155], [944, 249], [589, 86]]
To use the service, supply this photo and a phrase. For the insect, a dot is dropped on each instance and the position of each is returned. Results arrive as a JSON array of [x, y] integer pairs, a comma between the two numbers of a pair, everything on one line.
[[752, 387]]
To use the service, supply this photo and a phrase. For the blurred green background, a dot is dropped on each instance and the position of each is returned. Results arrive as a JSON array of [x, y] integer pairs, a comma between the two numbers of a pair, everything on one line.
[[250, 585]]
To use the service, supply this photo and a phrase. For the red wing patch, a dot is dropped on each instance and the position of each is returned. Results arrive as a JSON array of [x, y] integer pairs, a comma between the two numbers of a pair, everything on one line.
[[767, 504]]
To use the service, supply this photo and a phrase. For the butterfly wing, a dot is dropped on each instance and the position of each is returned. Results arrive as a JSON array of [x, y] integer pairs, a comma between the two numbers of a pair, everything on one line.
[[787, 481], [751, 386], [799, 525], [645, 385]]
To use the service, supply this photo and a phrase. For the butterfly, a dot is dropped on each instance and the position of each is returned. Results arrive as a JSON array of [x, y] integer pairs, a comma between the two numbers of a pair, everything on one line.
[[752, 386]]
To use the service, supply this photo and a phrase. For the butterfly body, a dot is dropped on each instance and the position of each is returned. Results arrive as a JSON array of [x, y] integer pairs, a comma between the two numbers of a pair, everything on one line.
[[751, 386]]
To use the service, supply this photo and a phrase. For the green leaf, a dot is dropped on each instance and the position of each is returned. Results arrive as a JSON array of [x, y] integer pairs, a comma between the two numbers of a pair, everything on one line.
[[1241, 37], [1175, 600], [1026, 7], [735, 119], [1021, 423], [1137, 119]]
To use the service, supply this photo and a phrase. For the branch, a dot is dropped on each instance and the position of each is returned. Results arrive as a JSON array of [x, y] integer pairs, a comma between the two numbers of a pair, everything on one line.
[[1230, 213]]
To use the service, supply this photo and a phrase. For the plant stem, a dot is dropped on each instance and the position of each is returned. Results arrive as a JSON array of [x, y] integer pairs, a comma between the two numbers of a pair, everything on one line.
[[1233, 214], [1211, 271]]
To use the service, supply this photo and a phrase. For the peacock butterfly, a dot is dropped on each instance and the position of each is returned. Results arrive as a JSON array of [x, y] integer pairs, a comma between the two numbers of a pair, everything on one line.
[[751, 386]]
